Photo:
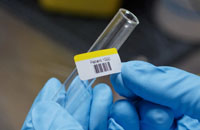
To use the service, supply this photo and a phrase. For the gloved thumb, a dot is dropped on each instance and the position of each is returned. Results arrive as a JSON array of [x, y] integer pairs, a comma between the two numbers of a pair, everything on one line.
[[48, 115], [166, 86]]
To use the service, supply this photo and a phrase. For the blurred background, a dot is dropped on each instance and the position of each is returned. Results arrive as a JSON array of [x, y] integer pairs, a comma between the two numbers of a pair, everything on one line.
[[38, 39]]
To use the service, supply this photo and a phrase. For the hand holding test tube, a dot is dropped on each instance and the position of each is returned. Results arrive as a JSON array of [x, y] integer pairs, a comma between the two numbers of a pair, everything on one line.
[[113, 36], [48, 114]]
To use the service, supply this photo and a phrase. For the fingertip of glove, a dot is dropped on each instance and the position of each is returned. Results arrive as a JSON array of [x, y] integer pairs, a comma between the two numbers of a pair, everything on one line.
[[53, 79], [103, 91], [123, 108], [119, 86], [136, 74], [155, 116], [125, 114], [53, 82], [49, 90], [100, 107]]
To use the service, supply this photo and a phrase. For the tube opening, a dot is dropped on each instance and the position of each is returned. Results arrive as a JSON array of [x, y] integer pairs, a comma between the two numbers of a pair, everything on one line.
[[129, 16]]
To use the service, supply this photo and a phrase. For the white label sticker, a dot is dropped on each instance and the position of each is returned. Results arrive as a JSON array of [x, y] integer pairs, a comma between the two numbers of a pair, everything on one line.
[[98, 63]]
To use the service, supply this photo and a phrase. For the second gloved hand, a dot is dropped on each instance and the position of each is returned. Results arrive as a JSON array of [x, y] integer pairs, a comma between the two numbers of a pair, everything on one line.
[[70, 111], [169, 97]]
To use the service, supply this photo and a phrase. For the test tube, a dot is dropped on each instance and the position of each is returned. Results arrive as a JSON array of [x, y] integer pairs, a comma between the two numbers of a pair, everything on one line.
[[113, 36]]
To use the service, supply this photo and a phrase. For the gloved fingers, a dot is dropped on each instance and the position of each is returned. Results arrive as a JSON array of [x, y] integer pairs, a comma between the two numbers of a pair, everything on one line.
[[46, 94], [154, 116], [100, 108], [124, 113], [49, 90], [49, 115], [167, 86], [120, 88], [78, 101]]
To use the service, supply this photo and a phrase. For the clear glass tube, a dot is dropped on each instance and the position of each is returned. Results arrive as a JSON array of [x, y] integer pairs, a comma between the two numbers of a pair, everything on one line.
[[113, 36]]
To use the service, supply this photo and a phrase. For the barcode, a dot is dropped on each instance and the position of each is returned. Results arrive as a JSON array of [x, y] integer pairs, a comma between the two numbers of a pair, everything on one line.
[[102, 67]]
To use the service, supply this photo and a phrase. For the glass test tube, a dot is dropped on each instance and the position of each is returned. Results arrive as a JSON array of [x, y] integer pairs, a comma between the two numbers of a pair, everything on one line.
[[113, 36]]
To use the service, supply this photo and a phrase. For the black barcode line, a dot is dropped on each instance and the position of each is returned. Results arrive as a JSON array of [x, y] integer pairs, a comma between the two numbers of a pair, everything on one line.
[[96, 69], [102, 67], [109, 66]]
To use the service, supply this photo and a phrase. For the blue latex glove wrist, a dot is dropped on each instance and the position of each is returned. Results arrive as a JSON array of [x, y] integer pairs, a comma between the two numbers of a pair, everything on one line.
[[92, 113], [166, 92]]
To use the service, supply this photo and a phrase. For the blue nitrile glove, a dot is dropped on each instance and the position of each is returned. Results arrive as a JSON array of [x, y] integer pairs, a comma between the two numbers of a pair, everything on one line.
[[169, 97], [92, 111]]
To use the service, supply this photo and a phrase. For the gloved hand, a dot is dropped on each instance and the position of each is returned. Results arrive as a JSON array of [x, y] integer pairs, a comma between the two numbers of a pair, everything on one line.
[[59, 114], [163, 97]]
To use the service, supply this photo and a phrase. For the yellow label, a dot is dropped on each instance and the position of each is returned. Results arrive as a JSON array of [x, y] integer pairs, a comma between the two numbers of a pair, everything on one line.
[[95, 54]]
